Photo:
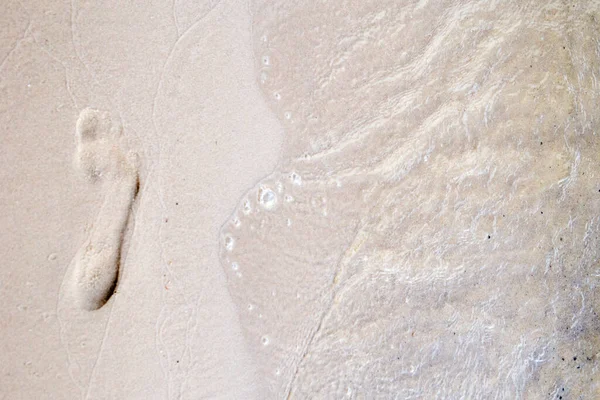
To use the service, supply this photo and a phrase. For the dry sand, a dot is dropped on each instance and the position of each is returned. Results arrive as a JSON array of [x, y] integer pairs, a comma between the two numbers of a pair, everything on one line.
[[275, 199]]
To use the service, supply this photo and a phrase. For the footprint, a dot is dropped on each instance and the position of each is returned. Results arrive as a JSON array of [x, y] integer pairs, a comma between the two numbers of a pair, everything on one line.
[[102, 158]]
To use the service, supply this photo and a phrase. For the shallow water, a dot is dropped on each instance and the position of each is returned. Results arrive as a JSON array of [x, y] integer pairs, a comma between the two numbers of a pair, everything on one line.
[[431, 230]]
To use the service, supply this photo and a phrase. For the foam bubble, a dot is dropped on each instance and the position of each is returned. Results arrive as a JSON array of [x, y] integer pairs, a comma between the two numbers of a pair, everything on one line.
[[296, 179], [247, 207], [267, 198], [229, 243]]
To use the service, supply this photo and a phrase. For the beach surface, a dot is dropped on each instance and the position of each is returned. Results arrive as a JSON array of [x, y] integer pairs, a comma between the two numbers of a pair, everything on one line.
[[300, 200]]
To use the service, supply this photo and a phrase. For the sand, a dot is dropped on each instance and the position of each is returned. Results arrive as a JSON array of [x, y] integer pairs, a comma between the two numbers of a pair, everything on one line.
[[271, 200]]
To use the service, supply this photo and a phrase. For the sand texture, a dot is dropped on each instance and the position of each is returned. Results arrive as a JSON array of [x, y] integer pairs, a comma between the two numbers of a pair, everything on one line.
[[372, 199]]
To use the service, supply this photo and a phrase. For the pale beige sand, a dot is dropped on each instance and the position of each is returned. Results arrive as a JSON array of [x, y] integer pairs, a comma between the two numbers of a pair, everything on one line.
[[275, 199], [189, 105]]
